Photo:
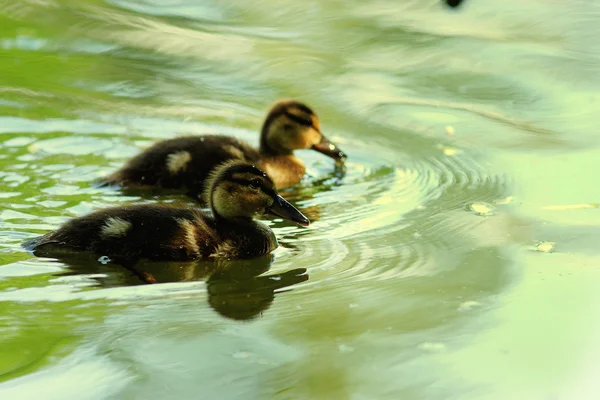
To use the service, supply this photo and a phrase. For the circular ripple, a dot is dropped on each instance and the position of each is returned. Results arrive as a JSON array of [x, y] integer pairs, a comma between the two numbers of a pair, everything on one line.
[[394, 216], [387, 213]]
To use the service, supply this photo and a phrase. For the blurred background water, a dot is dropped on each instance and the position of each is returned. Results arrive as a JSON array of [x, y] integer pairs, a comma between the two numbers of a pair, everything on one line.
[[457, 256]]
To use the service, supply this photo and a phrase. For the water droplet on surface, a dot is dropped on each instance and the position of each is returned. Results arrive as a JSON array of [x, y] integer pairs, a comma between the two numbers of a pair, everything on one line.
[[344, 348], [506, 200], [545, 247], [242, 354], [481, 208], [104, 260], [449, 151], [432, 346], [468, 305]]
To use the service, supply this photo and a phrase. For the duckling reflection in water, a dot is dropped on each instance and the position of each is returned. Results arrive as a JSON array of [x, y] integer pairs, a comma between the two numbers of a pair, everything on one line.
[[184, 163], [243, 298], [237, 289], [236, 193]]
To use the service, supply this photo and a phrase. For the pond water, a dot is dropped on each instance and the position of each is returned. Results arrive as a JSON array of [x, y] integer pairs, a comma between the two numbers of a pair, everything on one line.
[[455, 257]]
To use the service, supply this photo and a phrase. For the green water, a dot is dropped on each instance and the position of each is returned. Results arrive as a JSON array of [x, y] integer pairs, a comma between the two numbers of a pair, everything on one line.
[[445, 263]]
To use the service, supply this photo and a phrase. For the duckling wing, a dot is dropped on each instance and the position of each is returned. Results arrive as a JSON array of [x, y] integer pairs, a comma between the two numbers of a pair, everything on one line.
[[182, 163]]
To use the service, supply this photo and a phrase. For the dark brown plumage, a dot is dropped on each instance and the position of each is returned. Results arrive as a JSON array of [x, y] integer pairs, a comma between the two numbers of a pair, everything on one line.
[[185, 162], [236, 193], [151, 168]]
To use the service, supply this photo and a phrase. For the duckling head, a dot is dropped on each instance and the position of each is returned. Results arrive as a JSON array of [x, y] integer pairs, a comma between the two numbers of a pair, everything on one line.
[[291, 125], [238, 190]]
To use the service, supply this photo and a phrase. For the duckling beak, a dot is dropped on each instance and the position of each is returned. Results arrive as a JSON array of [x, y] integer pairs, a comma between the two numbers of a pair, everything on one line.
[[329, 149], [282, 208]]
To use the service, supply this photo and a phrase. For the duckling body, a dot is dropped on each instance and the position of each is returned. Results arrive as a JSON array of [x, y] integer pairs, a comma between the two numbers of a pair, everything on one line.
[[158, 232], [185, 162], [237, 192]]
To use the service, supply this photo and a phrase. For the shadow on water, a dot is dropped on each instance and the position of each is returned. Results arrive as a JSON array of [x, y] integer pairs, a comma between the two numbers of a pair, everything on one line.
[[236, 288]]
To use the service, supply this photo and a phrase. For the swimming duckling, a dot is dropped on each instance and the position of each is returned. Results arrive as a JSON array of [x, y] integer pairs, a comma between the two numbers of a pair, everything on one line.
[[236, 192], [185, 162]]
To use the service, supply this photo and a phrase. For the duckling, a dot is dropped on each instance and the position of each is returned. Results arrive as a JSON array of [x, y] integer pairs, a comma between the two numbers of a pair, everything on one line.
[[185, 162], [236, 193]]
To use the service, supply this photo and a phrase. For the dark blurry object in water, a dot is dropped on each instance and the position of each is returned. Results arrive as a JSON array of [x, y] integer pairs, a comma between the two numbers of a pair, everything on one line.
[[453, 3], [236, 289], [240, 297]]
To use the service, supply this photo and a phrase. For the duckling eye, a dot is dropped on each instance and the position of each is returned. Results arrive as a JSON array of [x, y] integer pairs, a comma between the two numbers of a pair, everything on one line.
[[254, 184], [306, 121]]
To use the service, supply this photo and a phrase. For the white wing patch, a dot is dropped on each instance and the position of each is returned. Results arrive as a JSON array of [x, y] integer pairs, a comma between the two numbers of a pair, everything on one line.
[[178, 161], [115, 227]]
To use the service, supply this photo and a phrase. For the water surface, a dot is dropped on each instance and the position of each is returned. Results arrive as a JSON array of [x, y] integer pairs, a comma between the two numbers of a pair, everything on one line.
[[455, 257]]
